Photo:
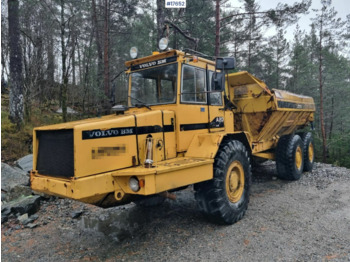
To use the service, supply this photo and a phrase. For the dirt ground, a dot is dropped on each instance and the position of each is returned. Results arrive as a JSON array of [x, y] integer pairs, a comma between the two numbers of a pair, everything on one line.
[[306, 220]]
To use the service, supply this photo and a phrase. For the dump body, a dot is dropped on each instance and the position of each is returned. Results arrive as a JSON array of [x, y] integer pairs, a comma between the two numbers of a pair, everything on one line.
[[169, 136], [267, 114]]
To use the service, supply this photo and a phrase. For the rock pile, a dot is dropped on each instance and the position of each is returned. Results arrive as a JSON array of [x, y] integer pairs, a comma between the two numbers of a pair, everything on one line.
[[17, 199]]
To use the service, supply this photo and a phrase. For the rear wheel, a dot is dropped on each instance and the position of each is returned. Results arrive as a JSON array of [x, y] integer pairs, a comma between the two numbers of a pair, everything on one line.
[[309, 151], [289, 157], [225, 198]]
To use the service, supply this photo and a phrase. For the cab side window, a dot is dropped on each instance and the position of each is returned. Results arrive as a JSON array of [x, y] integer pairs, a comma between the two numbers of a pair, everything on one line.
[[215, 97], [193, 88]]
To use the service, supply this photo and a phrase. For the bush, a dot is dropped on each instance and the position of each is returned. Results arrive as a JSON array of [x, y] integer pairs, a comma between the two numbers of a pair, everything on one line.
[[14, 143]]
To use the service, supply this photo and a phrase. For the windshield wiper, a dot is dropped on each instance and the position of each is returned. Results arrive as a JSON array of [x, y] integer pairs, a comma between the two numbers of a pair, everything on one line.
[[142, 104]]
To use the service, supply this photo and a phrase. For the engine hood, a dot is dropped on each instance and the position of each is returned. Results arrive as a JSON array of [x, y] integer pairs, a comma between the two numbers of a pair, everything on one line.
[[100, 144]]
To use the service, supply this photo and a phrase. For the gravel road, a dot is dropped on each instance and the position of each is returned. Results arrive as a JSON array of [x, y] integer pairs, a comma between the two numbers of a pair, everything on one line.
[[306, 220]]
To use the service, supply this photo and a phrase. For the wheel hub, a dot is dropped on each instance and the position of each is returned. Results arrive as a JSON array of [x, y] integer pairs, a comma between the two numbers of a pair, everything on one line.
[[298, 157], [311, 152], [235, 182]]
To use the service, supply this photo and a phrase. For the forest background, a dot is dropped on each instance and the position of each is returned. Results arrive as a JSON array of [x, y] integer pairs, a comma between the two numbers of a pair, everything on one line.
[[70, 54]]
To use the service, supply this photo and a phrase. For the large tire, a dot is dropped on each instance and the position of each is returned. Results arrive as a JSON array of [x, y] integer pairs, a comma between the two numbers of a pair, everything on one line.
[[309, 151], [289, 157], [225, 198]]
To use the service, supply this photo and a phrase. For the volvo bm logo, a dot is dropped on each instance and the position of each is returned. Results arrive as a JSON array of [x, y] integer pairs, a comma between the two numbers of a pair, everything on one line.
[[91, 134]]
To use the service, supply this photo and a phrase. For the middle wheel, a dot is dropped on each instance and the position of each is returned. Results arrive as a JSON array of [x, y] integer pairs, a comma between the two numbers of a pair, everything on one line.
[[225, 198]]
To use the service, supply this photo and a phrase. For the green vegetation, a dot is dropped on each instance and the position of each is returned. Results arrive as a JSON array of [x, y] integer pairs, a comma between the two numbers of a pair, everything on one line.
[[18, 143]]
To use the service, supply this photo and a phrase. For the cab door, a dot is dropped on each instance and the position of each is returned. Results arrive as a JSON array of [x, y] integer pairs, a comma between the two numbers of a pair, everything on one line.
[[192, 110], [216, 108]]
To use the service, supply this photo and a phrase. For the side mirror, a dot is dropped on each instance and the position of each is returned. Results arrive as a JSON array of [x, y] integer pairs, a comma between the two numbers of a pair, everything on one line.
[[225, 63], [218, 81]]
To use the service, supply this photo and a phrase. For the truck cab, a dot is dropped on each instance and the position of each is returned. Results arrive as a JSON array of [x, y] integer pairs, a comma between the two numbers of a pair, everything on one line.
[[181, 82]]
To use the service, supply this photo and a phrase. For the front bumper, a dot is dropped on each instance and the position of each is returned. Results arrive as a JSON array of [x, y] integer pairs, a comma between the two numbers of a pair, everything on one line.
[[167, 175], [88, 189]]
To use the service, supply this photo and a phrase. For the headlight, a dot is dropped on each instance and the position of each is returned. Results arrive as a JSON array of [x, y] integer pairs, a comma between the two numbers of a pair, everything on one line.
[[163, 44], [133, 52], [134, 184]]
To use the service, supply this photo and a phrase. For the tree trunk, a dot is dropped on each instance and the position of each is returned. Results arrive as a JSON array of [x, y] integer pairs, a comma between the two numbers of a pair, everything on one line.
[[106, 57], [250, 42], [3, 66], [217, 28], [16, 77], [39, 71], [50, 61], [64, 85], [98, 46], [79, 64], [160, 19], [323, 131], [332, 116], [73, 62]]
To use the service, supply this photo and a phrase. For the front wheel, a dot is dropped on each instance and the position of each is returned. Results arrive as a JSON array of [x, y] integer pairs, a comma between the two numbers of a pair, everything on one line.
[[225, 198]]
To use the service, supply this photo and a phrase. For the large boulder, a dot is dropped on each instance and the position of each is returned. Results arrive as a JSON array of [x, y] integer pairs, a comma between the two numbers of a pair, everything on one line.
[[25, 205], [11, 177], [18, 191], [25, 163], [117, 223]]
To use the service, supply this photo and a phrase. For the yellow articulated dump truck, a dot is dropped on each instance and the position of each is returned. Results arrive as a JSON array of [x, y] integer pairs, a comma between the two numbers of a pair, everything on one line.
[[187, 122]]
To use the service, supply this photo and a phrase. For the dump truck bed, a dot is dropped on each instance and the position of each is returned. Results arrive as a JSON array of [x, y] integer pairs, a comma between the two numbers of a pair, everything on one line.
[[266, 113]]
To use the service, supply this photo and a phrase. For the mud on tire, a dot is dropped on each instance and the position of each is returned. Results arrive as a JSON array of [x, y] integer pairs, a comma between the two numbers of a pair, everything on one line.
[[225, 198], [289, 157]]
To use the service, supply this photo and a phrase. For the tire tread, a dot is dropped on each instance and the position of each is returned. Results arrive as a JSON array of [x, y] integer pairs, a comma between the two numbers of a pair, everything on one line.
[[211, 195]]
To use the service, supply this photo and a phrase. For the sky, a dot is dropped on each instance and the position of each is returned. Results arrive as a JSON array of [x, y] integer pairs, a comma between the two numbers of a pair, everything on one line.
[[341, 6]]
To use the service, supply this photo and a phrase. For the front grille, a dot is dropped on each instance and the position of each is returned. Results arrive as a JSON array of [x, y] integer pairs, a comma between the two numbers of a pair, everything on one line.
[[55, 154]]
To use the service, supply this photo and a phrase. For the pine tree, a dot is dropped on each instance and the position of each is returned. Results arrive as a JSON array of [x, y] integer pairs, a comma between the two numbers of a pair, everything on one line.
[[299, 65], [329, 27]]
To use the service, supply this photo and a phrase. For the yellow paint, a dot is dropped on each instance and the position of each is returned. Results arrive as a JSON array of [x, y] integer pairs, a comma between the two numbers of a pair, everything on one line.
[[229, 122], [298, 158], [214, 112], [170, 137], [311, 152], [235, 182], [189, 114], [204, 145], [150, 118], [81, 188], [85, 164], [166, 175]]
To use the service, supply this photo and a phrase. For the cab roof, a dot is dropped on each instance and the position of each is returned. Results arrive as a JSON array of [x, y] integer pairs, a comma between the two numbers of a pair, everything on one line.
[[165, 54]]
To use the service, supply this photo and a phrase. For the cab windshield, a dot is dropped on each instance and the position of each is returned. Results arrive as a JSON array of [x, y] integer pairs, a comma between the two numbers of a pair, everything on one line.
[[154, 85]]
